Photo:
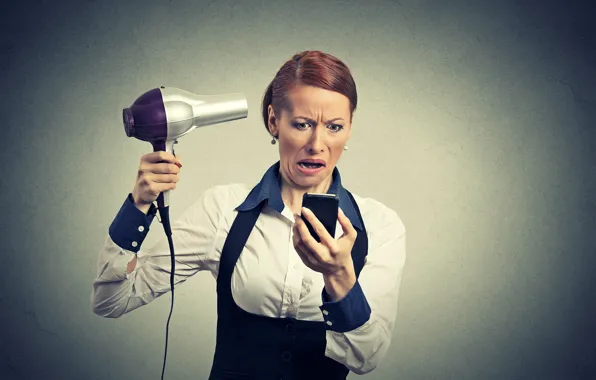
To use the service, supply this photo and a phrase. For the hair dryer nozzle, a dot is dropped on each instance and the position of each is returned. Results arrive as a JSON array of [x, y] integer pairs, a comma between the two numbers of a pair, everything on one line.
[[129, 122], [215, 109]]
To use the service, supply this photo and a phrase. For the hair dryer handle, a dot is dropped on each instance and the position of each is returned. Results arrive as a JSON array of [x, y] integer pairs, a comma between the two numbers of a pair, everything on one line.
[[163, 199]]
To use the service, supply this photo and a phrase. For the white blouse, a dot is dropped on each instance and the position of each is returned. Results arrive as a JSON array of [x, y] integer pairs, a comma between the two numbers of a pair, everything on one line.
[[269, 278]]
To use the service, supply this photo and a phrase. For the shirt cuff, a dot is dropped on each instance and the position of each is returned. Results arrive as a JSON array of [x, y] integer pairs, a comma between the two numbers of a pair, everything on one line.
[[130, 226], [347, 314]]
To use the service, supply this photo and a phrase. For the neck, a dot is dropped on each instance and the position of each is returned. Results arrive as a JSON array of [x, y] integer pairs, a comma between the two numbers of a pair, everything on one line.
[[292, 193]]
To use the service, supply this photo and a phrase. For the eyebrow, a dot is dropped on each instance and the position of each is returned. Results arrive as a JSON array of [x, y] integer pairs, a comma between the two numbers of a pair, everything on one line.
[[313, 121]]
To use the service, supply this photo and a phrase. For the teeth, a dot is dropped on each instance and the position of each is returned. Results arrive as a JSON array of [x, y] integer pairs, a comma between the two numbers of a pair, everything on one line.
[[309, 165]]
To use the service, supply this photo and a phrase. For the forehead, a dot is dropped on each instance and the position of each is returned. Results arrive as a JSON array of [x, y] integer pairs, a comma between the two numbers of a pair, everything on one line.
[[314, 101]]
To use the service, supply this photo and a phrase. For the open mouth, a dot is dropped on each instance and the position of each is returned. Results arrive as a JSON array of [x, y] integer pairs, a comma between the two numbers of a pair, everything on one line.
[[310, 165]]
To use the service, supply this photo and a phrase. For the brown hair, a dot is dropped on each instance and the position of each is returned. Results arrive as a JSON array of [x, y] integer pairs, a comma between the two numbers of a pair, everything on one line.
[[310, 68]]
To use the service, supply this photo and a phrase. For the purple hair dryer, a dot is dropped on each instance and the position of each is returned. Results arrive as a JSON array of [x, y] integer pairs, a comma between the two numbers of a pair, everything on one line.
[[162, 115]]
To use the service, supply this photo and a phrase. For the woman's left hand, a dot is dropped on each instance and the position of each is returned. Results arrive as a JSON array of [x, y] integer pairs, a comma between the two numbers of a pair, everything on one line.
[[330, 257]]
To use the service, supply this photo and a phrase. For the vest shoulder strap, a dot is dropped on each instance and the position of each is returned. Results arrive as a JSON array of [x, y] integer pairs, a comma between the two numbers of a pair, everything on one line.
[[234, 244], [360, 249]]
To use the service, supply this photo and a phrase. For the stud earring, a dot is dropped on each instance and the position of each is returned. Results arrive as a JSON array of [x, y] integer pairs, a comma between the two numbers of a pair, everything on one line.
[[345, 147]]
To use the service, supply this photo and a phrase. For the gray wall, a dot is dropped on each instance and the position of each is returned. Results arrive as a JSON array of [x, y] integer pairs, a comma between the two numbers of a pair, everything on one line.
[[475, 123]]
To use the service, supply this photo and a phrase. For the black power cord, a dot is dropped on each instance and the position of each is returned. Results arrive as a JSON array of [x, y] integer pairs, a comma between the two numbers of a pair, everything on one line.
[[164, 212]]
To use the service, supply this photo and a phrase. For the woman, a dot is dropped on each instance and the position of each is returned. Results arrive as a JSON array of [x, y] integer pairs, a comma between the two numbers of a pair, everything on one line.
[[288, 307]]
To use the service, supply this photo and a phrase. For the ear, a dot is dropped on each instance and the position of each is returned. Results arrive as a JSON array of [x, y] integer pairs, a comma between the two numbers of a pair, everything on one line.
[[272, 122]]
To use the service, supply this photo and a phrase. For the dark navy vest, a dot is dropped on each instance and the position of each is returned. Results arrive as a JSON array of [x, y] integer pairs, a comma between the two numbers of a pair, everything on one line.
[[250, 346]]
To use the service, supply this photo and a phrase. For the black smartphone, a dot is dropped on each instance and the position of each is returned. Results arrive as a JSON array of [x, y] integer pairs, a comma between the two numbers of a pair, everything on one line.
[[325, 208]]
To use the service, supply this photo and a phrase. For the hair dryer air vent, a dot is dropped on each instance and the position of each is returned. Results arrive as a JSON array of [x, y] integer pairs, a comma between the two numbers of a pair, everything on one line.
[[129, 122]]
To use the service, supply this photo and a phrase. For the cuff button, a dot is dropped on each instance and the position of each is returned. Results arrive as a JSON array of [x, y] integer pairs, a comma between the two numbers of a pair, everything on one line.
[[134, 244]]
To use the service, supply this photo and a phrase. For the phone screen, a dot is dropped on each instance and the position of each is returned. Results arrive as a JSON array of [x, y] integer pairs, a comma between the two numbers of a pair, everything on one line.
[[325, 208]]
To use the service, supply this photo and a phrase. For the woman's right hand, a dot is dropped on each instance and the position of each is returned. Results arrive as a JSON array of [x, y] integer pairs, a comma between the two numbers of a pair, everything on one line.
[[158, 172]]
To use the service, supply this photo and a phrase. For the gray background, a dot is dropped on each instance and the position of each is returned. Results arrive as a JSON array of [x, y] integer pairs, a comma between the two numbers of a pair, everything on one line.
[[475, 123]]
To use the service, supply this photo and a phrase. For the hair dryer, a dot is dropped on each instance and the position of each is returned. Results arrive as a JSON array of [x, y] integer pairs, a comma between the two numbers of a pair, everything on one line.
[[162, 115]]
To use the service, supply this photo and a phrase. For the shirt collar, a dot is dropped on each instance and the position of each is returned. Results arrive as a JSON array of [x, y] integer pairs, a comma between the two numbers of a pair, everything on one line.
[[270, 189]]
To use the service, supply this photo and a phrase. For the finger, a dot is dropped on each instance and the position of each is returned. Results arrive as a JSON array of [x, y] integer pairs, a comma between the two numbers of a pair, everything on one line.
[[178, 161], [297, 235], [346, 225], [320, 251], [318, 227], [165, 178], [164, 168], [160, 156], [304, 234]]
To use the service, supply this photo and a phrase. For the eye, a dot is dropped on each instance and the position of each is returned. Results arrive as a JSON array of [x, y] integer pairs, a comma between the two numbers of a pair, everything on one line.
[[299, 125], [302, 126]]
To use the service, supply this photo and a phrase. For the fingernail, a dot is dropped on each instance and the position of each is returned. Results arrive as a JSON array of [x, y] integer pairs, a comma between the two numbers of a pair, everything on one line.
[[304, 209]]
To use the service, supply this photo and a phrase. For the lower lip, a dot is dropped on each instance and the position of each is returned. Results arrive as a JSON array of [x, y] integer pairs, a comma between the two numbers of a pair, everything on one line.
[[309, 171]]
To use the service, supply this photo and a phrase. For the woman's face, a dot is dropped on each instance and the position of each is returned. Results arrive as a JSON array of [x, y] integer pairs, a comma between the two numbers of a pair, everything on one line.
[[317, 128]]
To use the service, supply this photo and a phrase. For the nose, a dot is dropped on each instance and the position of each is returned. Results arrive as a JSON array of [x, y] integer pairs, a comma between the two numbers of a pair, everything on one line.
[[316, 143]]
